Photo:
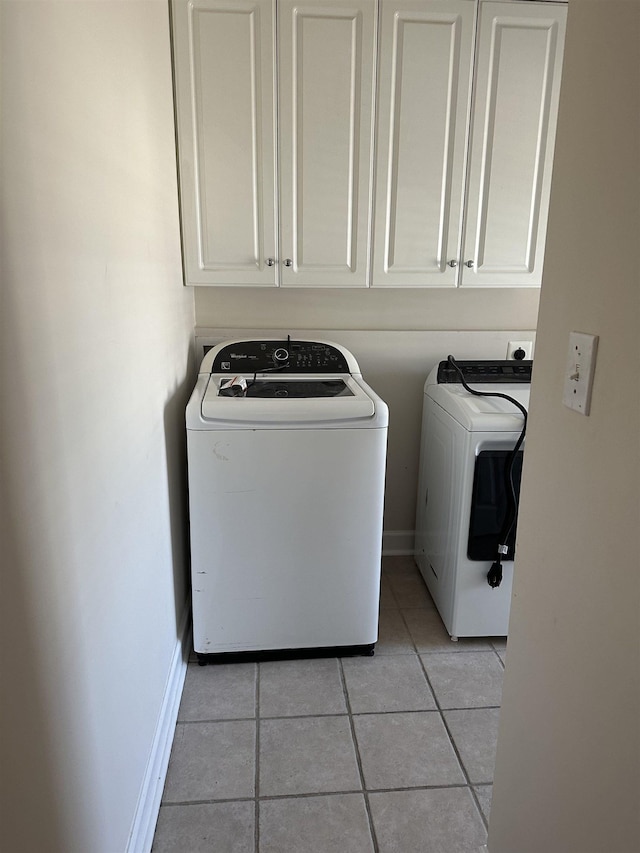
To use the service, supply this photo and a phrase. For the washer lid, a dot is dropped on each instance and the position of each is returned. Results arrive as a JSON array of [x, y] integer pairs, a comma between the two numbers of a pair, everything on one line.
[[486, 414], [288, 400]]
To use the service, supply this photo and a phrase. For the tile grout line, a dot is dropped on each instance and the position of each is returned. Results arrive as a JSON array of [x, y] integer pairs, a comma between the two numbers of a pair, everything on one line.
[[444, 722], [413, 642], [498, 655], [472, 791], [209, 802], [356, 747], [334, 714], [256, 829], [309, 795]]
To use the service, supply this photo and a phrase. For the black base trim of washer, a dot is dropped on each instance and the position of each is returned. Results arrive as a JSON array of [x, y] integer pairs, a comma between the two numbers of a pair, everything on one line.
[[285, 654]]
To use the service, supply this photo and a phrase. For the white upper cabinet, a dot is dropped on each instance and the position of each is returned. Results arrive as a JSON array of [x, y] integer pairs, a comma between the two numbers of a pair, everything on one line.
[[293, 173], [426, 51], [518, 66], [225, 107], [465, 141], [227, 76], [325, 63]]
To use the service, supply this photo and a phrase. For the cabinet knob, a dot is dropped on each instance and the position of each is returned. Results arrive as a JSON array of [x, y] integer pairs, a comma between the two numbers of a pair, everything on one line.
[[288, 262], [469, 264], [270, 262], [453, 263]]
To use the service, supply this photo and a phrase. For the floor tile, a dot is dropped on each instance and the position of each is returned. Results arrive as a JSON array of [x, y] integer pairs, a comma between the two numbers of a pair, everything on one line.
[[310, 785], [399, 564], [202, 828], [484, 793], [465, 679], [435, 821], [219, 692], [325, 824], [475, 734], [387, 683], [429, 634], [406, 750], [211, 761], [393, 637], [307, 755], [299, 687], [387, 598], [409, 590]]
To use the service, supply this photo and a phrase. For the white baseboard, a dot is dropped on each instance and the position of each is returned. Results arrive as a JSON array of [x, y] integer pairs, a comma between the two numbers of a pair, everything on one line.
[[397, 542], [146, 816]]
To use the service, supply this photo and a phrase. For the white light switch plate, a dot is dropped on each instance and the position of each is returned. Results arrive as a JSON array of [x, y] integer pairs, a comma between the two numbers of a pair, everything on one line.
[[578, 378]]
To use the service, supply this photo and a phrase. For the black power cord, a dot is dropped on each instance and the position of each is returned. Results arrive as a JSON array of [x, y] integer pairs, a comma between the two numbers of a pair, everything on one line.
[[494, 576]]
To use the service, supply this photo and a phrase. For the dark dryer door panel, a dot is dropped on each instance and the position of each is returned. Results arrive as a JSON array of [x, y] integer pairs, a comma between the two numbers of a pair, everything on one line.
[[489, 503]]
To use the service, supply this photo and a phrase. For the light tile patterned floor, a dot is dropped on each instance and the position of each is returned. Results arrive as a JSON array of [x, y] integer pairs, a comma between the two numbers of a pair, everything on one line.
[[389, 754]]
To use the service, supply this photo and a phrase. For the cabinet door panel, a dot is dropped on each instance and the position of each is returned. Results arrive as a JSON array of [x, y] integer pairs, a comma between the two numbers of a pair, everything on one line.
[[426, 50], [326, 95], [225, 108], [518, 81]]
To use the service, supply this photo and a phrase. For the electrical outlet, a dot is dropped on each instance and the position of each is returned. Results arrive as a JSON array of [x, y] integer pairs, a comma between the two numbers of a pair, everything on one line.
[[581, 365], [519, 347]]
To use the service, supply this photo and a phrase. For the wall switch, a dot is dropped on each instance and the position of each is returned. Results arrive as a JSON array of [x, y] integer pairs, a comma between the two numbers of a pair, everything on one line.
[[581, 364], [515, 350]]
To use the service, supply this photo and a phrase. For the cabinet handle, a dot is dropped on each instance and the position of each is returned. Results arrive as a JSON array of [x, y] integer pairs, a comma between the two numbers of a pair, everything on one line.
[[469, 264], [288, 262], [453, 263], [270, 262]]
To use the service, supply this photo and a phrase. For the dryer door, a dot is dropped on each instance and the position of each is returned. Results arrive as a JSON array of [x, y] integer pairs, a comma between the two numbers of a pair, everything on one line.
[[489, 504]]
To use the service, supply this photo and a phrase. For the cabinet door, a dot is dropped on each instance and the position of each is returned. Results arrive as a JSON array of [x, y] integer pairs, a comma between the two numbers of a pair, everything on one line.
[[426, 49], [326, 55], [225, 100], [518, 66]]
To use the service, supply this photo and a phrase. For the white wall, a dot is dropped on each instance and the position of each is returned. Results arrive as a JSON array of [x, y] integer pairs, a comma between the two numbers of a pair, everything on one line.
[[567, 777], [421, 309], [95, 341]]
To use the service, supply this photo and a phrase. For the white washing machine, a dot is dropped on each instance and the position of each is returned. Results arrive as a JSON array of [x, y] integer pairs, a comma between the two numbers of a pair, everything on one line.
[[286, 491], [462, 503]]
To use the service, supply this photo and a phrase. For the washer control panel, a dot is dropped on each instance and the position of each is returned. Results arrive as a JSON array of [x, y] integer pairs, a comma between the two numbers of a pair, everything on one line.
[[292, 356], [486, 372]]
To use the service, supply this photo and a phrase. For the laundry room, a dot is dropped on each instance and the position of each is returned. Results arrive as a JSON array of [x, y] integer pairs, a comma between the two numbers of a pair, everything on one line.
[[119, 270]]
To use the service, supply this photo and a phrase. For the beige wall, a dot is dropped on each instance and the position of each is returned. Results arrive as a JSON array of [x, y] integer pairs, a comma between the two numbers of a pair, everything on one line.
[[388, 309], [567, 777], [95, 331]]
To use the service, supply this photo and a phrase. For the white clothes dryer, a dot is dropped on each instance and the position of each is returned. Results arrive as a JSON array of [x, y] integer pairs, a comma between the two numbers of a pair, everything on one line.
[[286, 490], [462, 501]]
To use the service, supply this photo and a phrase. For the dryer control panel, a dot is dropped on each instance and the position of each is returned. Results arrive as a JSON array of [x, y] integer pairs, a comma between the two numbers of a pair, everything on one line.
[[486, 372], [287, 355]]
